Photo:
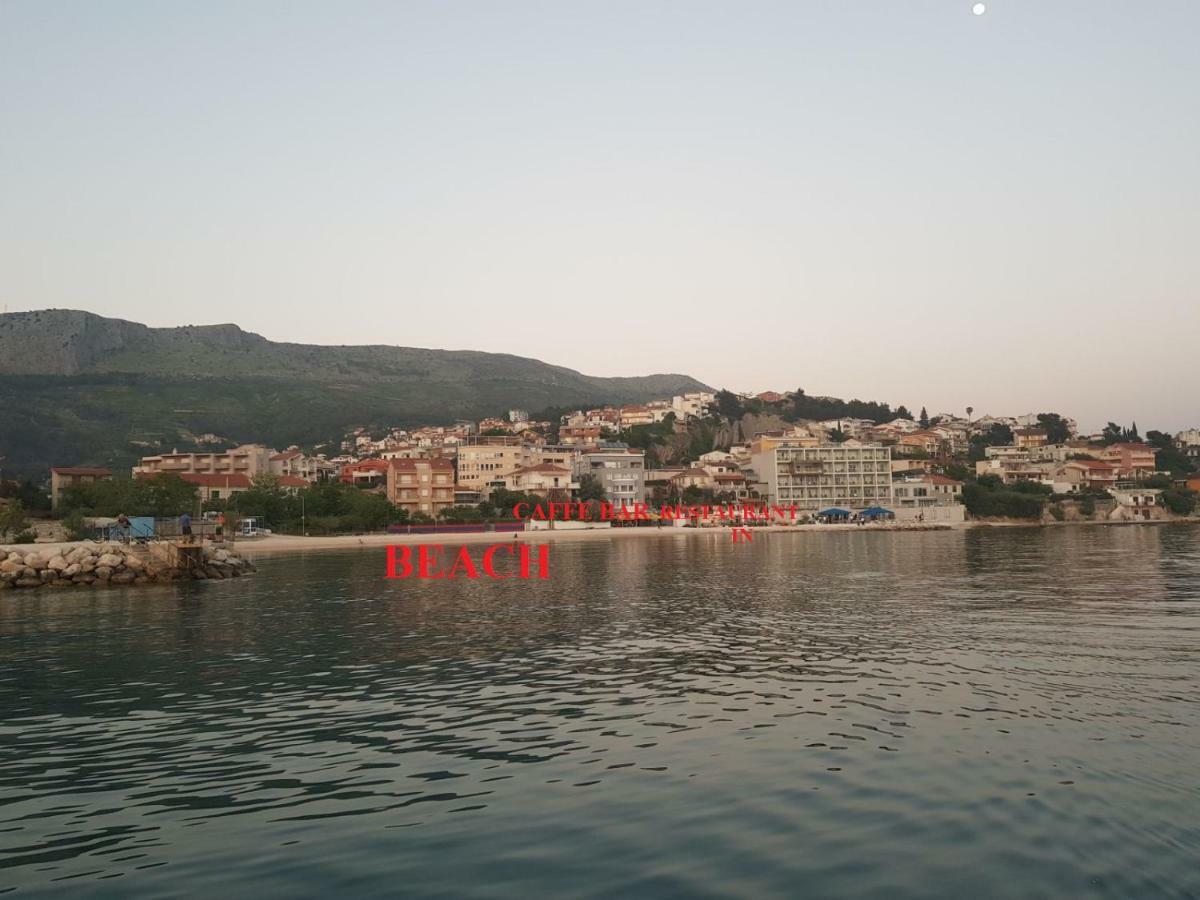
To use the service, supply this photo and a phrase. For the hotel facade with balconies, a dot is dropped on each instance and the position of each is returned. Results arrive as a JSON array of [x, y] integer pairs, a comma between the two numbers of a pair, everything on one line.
[[848, 475], [249, 460]]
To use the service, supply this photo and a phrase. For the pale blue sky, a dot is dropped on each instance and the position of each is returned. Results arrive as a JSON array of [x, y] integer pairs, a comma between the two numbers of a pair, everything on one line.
[[891, 200]]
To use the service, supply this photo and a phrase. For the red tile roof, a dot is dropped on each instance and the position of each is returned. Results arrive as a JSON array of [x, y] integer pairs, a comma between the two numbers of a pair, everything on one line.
[[941, 479], [293, 482], [1090, 464]]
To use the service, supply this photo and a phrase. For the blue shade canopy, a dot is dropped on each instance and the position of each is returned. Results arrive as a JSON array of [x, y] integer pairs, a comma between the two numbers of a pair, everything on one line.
[[834, 511], [876, 511]]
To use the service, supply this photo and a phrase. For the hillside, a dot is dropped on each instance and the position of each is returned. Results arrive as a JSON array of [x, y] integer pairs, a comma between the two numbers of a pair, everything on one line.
[[80, 388]]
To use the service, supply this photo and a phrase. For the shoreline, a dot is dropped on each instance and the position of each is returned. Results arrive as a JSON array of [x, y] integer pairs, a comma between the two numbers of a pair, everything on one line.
[[283, 544]]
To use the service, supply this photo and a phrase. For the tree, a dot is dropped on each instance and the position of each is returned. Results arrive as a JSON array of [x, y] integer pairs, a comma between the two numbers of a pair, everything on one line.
[[12, 518], [924, 420], [31, 496], [987, 497], [729, 405], [1112, 433], [903, 413], [998, 435], [591, 488], [1181, 503], [1056, 428], [1159, 440], [1167, 456], [970, 409], [162, 496]]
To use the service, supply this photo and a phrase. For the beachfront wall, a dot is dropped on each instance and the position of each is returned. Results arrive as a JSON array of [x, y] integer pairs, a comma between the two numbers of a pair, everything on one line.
[[933, 515], [563, 525]]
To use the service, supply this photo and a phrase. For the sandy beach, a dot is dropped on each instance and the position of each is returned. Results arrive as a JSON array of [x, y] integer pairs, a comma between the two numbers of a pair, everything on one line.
[[277, 544]]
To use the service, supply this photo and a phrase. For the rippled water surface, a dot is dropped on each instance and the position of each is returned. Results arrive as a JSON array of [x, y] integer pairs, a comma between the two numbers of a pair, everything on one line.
[[988, 713]]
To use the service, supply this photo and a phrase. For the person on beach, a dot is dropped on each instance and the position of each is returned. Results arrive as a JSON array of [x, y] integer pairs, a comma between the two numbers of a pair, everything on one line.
[[123, 526], [185, 525]]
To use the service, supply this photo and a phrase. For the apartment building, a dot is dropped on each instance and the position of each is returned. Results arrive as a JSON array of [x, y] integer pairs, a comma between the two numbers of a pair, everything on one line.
[[248, 459], [849, 475], [621, 472], [921, 491], [295, 464], [485, 459], [421, 486], [1080, 474], [766, 441], [483, 462], [365, 473], [636, 415], [1029, 438], [693, 404], [1189, 442], [63, 477], [543, 480], [581, 435], [1132, 460]]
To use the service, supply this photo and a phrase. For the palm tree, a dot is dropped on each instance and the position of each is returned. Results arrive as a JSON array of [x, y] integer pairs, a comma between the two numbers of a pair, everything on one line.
[[970, 409]]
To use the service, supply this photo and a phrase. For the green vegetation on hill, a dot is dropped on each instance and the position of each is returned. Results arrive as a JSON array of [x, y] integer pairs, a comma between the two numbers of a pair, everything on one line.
[[800, 407], [81, 389], [989, 497]]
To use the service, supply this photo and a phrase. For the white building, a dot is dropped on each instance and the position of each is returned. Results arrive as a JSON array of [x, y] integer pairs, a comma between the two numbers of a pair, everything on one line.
[[692, 405], [849, 475], [1189, 443], [926, 490]]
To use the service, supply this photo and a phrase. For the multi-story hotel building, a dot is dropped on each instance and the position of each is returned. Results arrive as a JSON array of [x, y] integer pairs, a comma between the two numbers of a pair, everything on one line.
[[485, 461], [849, 475], [421, 485], [249, 460], [621, 472]]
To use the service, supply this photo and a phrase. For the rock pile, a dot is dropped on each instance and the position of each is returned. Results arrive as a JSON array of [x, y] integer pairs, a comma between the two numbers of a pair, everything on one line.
[[108, 564]]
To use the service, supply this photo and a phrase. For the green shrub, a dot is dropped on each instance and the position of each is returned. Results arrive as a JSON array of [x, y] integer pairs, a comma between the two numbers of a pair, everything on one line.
[[1031, 487], [1180, 502], [983, 501], [1087, 505], [1058, 512]]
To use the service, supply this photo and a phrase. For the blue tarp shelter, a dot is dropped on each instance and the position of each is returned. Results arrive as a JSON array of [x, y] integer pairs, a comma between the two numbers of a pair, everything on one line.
[[834, 513], [876, 512]]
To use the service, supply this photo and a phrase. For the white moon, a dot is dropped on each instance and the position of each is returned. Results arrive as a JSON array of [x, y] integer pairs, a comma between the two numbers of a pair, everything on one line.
[[979, 9]]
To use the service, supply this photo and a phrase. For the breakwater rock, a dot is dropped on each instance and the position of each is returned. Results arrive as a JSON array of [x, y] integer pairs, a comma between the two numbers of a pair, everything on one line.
[[101, 565]]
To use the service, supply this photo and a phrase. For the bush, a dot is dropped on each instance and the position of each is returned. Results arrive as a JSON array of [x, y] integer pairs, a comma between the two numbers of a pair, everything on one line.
[[73, 523], [1087, 505], [1031, 487], [12, 519], [1058, 512], [981, 500], [25, 537], [1181, 503]]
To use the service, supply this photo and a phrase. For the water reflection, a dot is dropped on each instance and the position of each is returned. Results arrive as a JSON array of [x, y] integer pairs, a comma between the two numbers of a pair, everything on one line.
[[1006, 712]]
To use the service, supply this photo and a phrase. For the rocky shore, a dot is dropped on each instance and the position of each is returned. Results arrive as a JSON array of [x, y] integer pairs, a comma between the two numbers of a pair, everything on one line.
[[101, 565]]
